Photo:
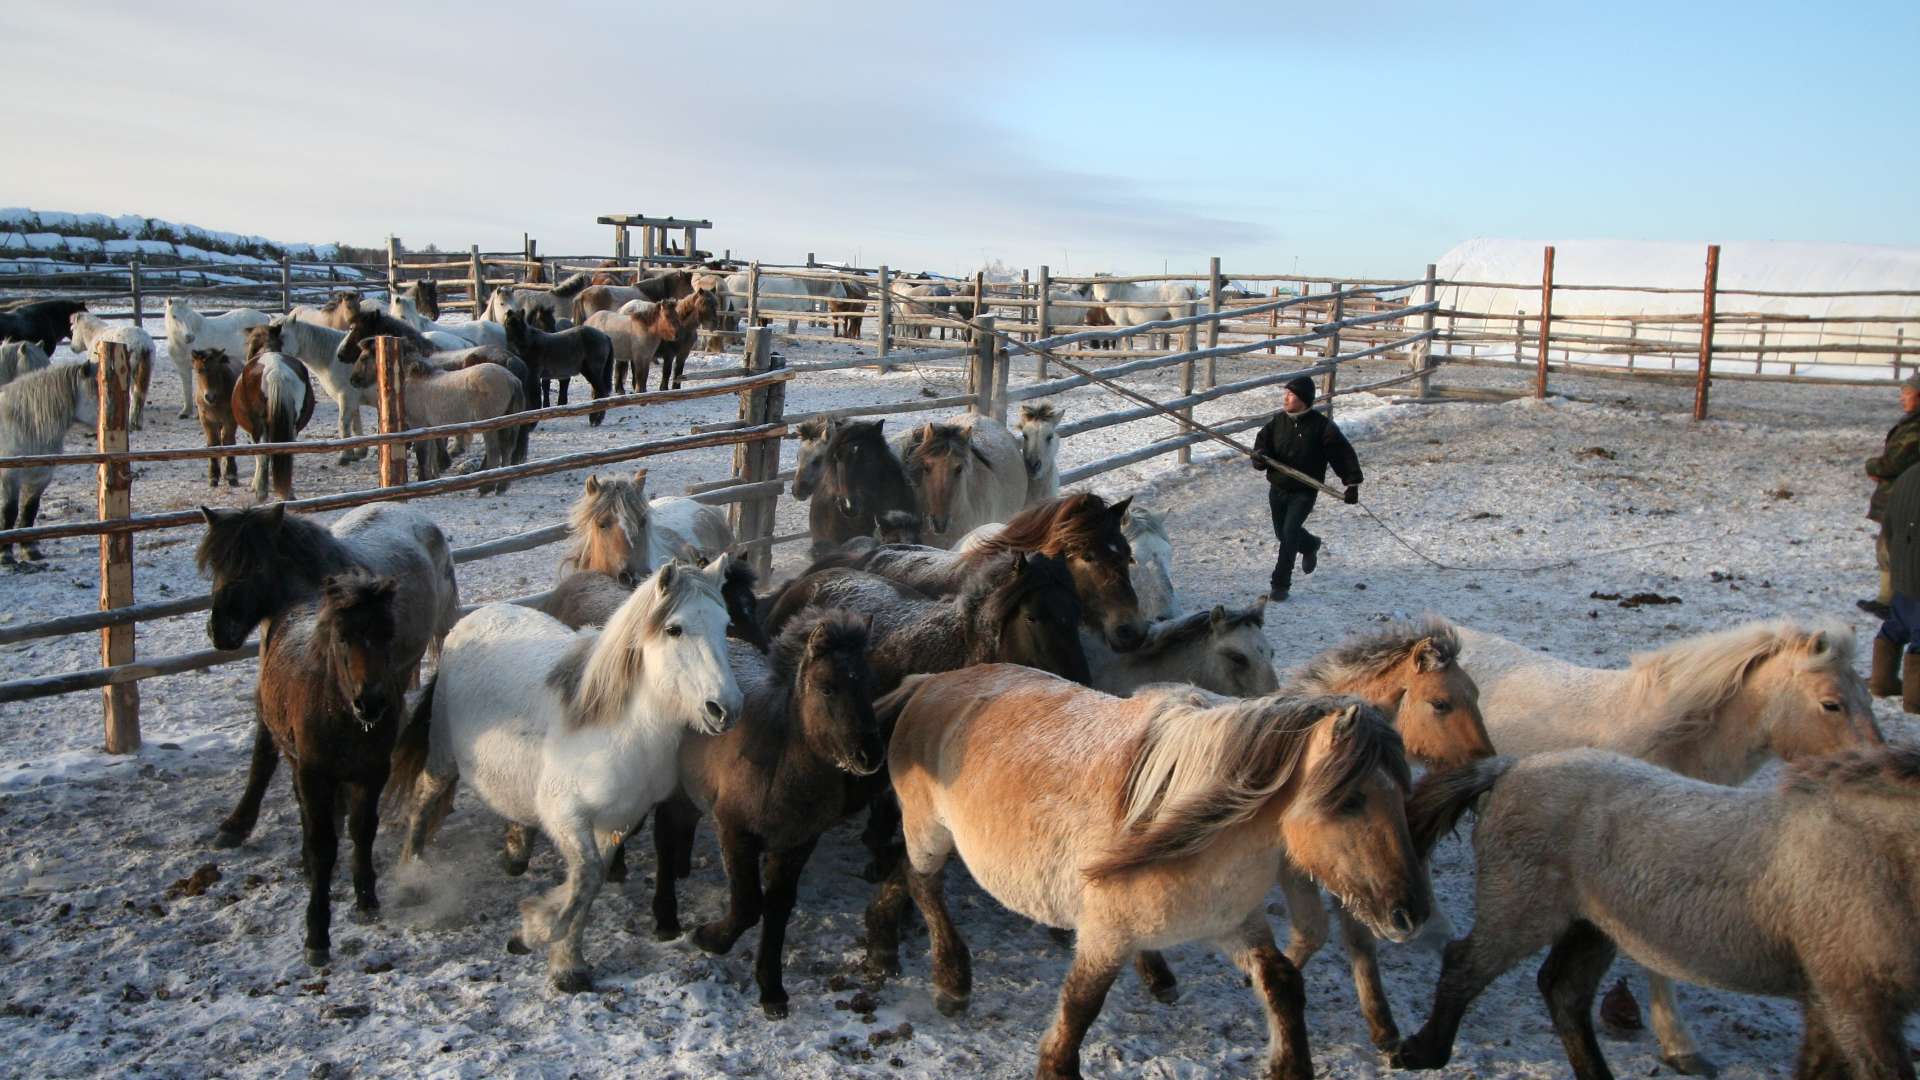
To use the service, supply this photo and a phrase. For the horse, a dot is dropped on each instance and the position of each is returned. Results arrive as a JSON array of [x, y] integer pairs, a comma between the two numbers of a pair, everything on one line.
[[332, 695], [965, 472], [44, 322], [636, 331], [272, 401], [264, 561], [1803, 891], [1152, 572], [343, 309], [17, 358], [319, 348], [425, 295], [856, 481], [778, 293], [1040, 448], [924, 306], [849, 308], [616, 531], [1098, 316], [188, 330], [582, 351], [1713, 707], [434, 397], [88, 330], [1223, 650], [698, 310], [1082, 529], [1141, 823], [214, 375], [461, 359], [473, 332], [36, 410], [549, 305], [810, 461], [657, 287], [583, 748], [801, 760], [1130, 302], [589, 598]]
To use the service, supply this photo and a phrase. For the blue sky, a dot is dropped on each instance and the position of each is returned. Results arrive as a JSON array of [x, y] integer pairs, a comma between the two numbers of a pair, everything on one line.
[[1119, 136]]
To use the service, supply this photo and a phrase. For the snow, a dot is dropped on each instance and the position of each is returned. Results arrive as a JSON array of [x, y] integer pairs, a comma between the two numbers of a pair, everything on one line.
[[1755, 513], [42, 230]]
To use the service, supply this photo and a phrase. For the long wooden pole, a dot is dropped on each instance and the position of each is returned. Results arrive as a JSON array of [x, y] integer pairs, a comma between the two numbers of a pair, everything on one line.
[[1213, 308], [121, 703], [393, 410], [883, 315], [393, 266], [1333, 349], [1708, 293], [1546, 323], [1042, 317], [286, 286], [1423, 353]]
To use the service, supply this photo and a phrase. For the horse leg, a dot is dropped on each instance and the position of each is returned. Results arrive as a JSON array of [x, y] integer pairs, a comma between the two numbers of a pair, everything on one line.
[[1306, 916], [349, 403], [883, 818], [9, 518], [1283, 996], [1568, 980], [1867, 1030], [1157, 977], [363, 820], [1467, 967], [1819, 1058], [740, 850], [1097, 957], [1364, 959], [266, 758], [1677, 1048], [229, 437], [783, 888], [952, 963], [321, 846], [552, 918], [565, 381], [29, 513], [260, 473], [674, 822], [883, 916], [516, 849], [431, 802]]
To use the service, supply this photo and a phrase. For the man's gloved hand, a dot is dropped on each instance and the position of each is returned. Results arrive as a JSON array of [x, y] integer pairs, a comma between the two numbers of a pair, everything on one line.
[[1351, 495]]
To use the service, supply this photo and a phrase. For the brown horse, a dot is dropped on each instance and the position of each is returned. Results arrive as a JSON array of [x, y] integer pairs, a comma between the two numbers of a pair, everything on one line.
[[801, 760], [271, 400], [636, 331], [848, 312], [332, 695], [698, 310], [1082, 528], [213, 378], [1141, 823]]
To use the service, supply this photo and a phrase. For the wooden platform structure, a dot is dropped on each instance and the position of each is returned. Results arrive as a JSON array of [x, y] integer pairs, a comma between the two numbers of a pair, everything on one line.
[[653, 238]]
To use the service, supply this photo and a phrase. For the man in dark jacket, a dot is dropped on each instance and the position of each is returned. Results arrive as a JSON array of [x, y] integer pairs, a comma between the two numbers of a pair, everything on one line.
[[1307, 441], [1901, 453], [1896, 664]]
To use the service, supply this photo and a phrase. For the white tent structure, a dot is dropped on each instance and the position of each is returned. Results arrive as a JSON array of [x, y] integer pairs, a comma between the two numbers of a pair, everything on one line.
[[1756, 305]]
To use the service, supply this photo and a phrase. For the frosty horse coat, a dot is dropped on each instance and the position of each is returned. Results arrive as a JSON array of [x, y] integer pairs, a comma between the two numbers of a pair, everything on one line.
[[1804, 891], [264, 561], [43, 322], [1224, 650], [188, 330], [1129, 303], [435, 397], [1141, 823], [332, 696], [272, 401], [36, 410], [17, 358], [799, 762], [576, 732], [615, 530], [965, 472], [319, 349], [1714, 707], [89, 330]]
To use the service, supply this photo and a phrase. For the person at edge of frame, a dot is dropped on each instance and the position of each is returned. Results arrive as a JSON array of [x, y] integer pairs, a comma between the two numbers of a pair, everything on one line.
[[1901, 452]]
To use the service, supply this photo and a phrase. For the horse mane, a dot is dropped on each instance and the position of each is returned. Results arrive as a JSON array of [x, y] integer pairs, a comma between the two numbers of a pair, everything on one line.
[[37, 408], [1690, 680], [1040, 413], [1077, 521], [570, 285], [622, 498], [1195, 626], [1889, 770], [358, 606], [372, 324], [235, 548], [600, 672], [1208, 763], [994, 593], [1367, 656], [1141, 521]]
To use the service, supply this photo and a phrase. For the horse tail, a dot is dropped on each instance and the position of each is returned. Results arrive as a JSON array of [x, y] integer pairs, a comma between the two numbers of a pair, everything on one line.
[[1441, 799], [409, 754], [888, 707], [286, 397]]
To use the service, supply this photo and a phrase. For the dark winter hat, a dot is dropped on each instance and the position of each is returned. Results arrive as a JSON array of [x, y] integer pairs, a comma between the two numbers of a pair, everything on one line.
[[1302, 388], [1911, 382]]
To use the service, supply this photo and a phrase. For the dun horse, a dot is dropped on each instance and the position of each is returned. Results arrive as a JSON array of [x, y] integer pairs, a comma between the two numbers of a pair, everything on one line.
[[965, 473], [89, 330], [1038, 428], [1223, 650], [1141, 823], [435, 397], [36, 410]]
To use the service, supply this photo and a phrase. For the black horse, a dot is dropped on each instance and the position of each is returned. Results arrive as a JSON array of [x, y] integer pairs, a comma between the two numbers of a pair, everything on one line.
[[46, 323], [581, 350], [861, 484]]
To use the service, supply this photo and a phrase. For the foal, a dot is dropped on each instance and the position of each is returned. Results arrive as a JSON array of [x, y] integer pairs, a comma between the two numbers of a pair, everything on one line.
[[213, 378]]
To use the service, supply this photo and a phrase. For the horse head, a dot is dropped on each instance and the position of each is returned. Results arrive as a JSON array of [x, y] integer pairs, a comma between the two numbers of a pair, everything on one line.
[[811, 461], [939, 463], [1090, 533], [1238, 654], [1812, 701], [1037, 618], [833, 686], [612, 525], [1439, 705], [355, 627], [244, 551], [213, 378], [1037, 430]]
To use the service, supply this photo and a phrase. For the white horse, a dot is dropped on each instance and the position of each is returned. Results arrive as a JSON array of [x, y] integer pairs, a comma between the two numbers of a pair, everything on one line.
[[1132, 302], [1715, 707], [18, 358], [795, 297], [188, 330], [1152, 573], [317, 346], [576, 732], [1223, 650], [88, 330], [1040, 446], [477, 332], [965, 472], [36, 410]]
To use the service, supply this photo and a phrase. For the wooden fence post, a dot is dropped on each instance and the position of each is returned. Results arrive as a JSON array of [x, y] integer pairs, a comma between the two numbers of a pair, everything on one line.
[[1899, 348], [1043, 318], [753, 293], [476, 281], [1273, 322], [1708, 294], [1546, 323], [1189, 340], [121, 703], [1423, 353], [393, 266], [980, 376], [1213, 307], [286, 286], [133, 288], [883, 316], [392, 403], [757, 461], [692, 240], [532, 271], [1333, 351]]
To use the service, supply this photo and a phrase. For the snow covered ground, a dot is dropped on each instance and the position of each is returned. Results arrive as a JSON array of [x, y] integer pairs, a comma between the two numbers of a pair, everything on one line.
[[118, 962]]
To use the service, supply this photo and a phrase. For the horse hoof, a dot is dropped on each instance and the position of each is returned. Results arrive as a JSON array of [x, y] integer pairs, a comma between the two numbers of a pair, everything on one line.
[[775, 1010], [951, 1004], [1690, 1064], [1170, 995], [617, 873], [1387, 1044], [229, 838], [364, 916], [514, 867], [34, 554], [1412, 1054], [576, 981], [516, 946], [880, 968], [711, 940], [319, 958], [667, 931]]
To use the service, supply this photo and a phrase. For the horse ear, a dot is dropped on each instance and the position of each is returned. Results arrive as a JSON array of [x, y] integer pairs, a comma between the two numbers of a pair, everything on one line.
[[664, 577], [1260, 608], [640, 482], [1119, 509], [1219, 615], [1427, 658], [1343, 725], [593, 484], [211, 516], [275, 514]]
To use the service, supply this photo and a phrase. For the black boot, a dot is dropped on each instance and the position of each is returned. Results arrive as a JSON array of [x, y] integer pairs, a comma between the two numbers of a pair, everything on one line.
[[1910, 683], [1885, 678]]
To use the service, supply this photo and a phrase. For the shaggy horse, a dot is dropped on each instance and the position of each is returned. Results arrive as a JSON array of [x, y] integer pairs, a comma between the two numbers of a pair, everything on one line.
[[584, 747], [1714, 707], [214, 375], [332, 696], [852, 479], [272, 401], [264, 561], [46, 323], [89, 330], [18, 358], [616, 531], [965, 472], [434, 397], [36, 410], [549, 306], [473, 332], [1141, 823], [656, 287], [1803, 891], [1224, 650], [581, 351], [425, 295], [188, 330], [810, 460], [801, 760], [1152, 573], [849, 308], [1132, 302], [636, 331], [319, 349], [1040, 449], [697, 311], [925, 306]]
